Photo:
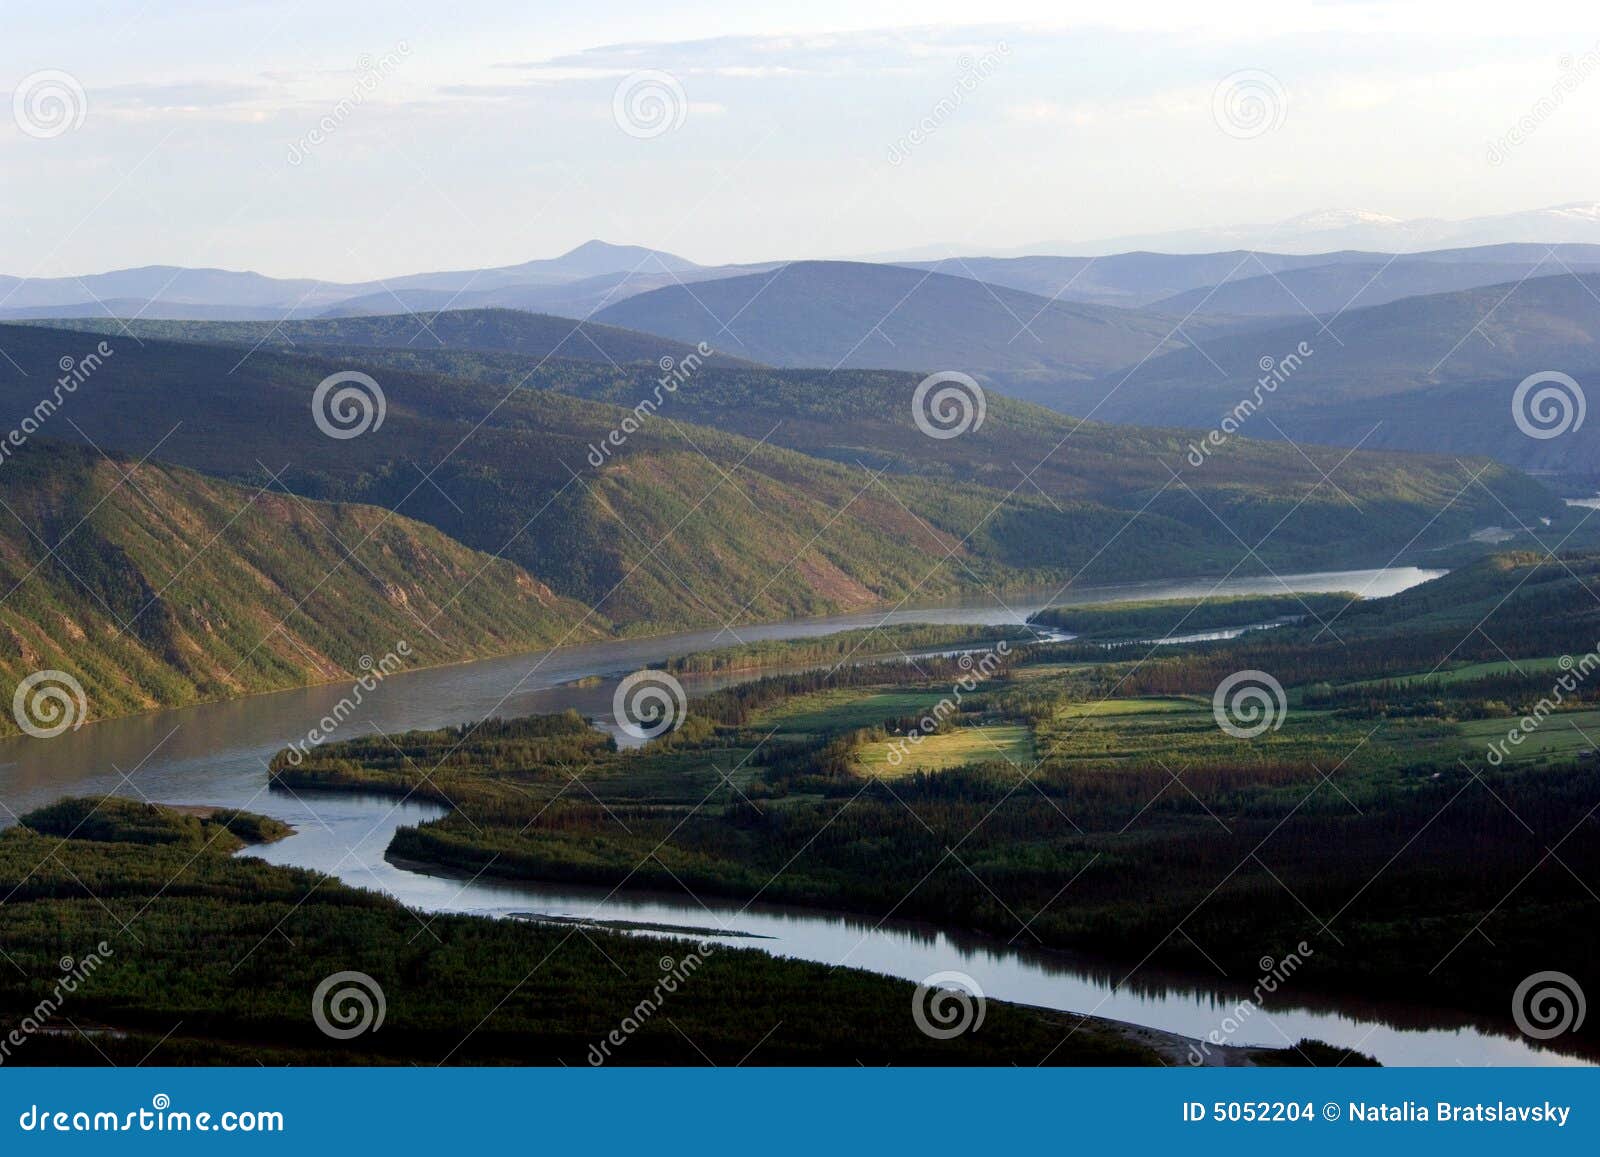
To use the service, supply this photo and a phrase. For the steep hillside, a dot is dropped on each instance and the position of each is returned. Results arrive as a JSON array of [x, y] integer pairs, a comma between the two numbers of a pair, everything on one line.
[[677, 525], [754, 494], [156, 587]]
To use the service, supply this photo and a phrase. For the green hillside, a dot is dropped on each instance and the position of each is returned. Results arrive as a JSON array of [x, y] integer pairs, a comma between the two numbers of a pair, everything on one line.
[[153, 586], [756, 494]]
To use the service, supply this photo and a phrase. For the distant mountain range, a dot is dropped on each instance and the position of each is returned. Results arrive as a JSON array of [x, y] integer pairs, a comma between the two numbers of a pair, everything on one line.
[[1243, 282], [1432, 337], [1327, 230], [172, 292], [1435, 372], [1132, 271]]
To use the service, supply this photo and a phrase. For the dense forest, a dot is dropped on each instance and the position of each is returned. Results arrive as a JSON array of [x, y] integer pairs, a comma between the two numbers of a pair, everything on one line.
[[177, 952], [1369, 818]]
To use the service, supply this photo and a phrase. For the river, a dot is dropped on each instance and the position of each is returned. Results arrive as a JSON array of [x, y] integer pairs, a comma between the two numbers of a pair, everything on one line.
[[218, 754]]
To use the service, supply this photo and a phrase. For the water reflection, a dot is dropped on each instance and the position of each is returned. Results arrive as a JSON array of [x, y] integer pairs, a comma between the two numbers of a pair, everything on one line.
[[218, 754]]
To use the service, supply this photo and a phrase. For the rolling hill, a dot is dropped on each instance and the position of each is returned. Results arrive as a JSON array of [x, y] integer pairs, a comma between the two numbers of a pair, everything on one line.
[[1337, 288], [1246, 283], [837, 314], [1434, 373]]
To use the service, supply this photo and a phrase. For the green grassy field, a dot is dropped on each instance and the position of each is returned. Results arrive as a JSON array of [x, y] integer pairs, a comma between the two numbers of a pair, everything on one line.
[[1559, 737], [843, 709], [1465, 672], [1011, 742]]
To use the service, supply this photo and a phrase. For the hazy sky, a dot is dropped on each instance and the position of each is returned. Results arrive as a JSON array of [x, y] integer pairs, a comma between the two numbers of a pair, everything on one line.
[[485, 133]]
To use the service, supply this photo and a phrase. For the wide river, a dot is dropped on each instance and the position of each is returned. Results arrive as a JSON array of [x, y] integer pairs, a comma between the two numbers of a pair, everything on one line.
[[218, 754]]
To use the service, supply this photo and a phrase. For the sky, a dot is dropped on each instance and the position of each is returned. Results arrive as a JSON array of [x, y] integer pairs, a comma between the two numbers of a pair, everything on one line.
[[361, 140]]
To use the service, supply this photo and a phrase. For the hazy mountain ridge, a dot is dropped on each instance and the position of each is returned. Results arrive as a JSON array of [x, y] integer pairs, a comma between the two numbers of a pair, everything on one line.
[[860, 316], [504, 330], [1434, 373]]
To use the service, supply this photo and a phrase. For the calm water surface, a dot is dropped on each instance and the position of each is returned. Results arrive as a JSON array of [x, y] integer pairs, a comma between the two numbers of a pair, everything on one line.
[[218, 754]]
